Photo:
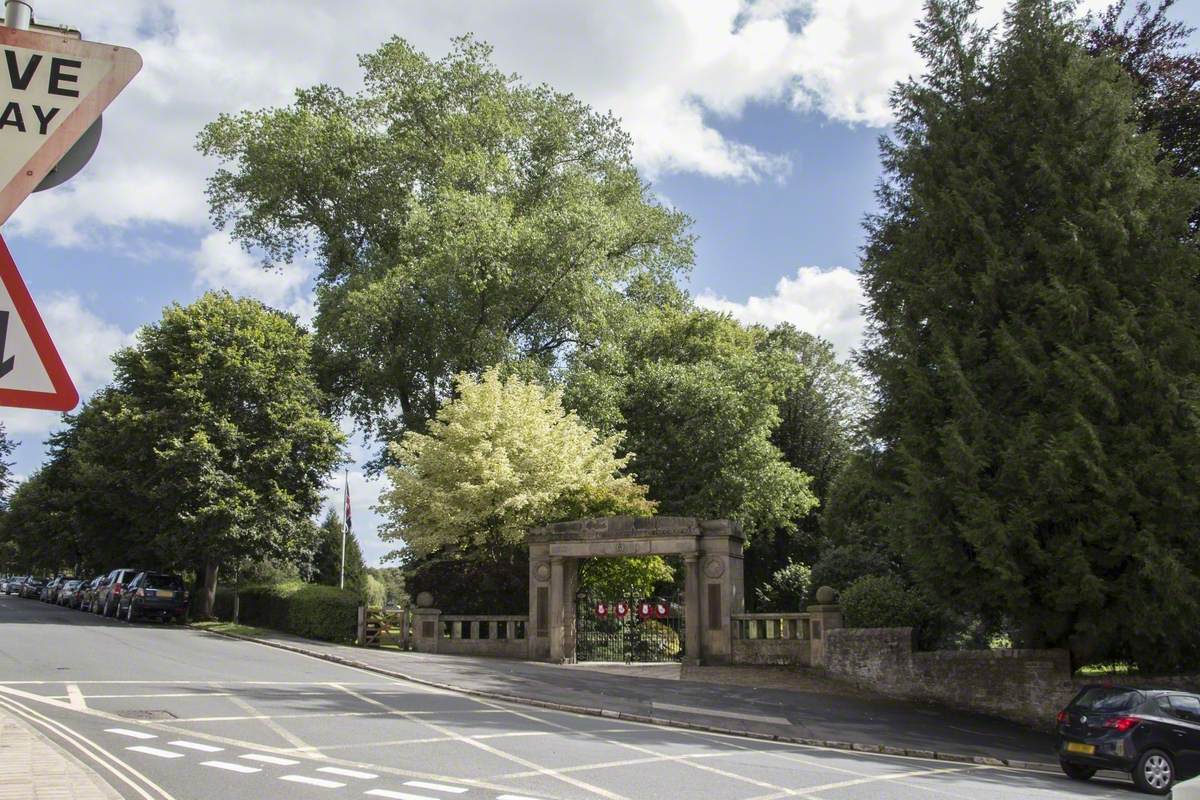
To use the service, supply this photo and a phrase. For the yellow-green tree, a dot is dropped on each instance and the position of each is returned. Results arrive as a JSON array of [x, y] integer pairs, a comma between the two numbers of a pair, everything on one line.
[[502, 457]]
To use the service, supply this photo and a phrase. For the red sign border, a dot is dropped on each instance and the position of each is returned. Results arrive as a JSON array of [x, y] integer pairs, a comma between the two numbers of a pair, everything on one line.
[[64, 397], [126, 63]]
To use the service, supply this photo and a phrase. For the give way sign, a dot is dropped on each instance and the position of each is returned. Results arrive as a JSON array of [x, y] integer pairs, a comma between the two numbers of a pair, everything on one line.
[[31, 373], [54, 88]]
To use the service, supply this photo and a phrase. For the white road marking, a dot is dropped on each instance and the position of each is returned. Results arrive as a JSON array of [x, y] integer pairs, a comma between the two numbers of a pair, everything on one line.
[[436, 787], [130, 734], [712, 712], [398, 795], [76, 697], [514, 797], [283, 733], [348, 773], [154, 751], [324, 784], [203, 748], [276, 760], [231, 767], [150, 696]]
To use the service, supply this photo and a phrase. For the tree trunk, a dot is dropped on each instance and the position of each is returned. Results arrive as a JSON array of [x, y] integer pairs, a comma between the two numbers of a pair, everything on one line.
[[209, 595]]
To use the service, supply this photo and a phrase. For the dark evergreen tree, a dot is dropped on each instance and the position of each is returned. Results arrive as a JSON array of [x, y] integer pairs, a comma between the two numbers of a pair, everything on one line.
[[327, 558], [1035, 343]]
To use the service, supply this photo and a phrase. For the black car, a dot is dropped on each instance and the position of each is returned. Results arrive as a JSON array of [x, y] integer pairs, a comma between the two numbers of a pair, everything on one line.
[[1153, 734], [31, 589], [154, 594]]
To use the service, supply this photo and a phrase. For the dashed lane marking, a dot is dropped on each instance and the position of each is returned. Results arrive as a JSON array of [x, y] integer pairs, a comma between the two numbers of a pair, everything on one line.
[[307, 781], [130, 734], [348, 773], [75, 697], [276, 760], [436, 787], [203, 748], [226, 765], [398, 795], [154, 751], [524, 762]]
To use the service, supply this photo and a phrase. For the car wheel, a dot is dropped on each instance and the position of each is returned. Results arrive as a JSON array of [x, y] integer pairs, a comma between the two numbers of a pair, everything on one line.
[[1076, 772], [108, 610], [129, 613], [1154, 773]]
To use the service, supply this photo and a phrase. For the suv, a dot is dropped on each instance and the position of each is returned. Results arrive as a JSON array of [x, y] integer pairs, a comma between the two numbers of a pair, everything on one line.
[[50, 593], [87, 594], [109, 591], [31, 589], [154, 594], [1153, 734]]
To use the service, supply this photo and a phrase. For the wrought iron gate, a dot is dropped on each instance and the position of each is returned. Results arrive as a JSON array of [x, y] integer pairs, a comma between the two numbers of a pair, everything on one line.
[[602, 633]]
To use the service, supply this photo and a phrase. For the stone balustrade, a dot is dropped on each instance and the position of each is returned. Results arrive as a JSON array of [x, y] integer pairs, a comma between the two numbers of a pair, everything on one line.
[[772, 639], [499, 635]]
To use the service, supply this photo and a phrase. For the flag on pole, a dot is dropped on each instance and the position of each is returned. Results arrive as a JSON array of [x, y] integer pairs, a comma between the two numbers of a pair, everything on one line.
[[347, 508]]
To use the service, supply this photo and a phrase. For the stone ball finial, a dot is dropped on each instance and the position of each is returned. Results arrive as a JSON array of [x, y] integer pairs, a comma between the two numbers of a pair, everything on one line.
[[826, 595], [425, 600]]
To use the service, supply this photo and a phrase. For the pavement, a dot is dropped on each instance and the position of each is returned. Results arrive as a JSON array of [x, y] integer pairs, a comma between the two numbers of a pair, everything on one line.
[[173, 713], [33, 768]]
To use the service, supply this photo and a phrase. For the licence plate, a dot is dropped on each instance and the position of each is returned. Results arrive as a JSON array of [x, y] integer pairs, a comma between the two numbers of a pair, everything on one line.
[[1083, 749], [165, 594]]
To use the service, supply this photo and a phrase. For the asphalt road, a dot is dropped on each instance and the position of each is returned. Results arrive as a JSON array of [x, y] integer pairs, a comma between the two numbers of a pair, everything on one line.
[[169, 712]]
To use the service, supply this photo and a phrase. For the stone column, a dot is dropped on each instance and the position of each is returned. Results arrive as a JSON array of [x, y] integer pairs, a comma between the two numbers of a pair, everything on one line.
[[822, 618], [557, 632], [691, 620], [427, 629]]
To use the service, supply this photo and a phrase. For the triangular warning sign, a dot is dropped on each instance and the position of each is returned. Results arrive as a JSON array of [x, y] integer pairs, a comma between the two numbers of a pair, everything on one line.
[[54, 88], [31, 373]]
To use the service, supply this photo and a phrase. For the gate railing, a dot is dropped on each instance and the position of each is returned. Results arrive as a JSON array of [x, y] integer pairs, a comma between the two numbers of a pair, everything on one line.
[[378, 626]]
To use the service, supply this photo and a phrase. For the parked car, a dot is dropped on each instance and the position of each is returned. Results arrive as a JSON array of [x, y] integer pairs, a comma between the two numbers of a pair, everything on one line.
[[13, 585], [88, 595], [108, 593], [50, 592], [154, 594], [66, 593], [1152, 734], [31, 589]]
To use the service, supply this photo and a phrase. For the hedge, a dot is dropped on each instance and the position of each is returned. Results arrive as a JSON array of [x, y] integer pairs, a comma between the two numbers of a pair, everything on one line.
[[311, 610]]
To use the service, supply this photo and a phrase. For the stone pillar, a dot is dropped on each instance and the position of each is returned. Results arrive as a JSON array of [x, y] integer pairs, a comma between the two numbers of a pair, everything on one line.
[[557, 634], [427, 629], [822, 618], [537, 632], [692, 620]]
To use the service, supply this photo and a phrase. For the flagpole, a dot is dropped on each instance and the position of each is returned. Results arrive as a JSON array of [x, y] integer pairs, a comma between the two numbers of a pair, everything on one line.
[[345, 505]]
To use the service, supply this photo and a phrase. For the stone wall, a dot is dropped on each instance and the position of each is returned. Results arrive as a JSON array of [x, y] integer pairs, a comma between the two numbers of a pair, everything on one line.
[[1028, 686], [792, 652]]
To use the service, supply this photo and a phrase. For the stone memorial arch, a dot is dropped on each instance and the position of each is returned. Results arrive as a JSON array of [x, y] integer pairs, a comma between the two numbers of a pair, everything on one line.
[[713, 577]]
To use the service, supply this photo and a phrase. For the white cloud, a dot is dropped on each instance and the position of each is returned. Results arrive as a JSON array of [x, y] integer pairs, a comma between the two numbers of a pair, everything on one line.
[[827, 303], [222, 264], [667, 68], [86, 343]]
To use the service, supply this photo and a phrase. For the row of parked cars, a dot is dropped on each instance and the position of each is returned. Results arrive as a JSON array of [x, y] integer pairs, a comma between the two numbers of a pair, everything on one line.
[[128, 594]]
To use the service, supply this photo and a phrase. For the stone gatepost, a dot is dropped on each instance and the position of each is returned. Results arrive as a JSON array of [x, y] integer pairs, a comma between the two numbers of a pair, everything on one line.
[[427, 627], [822, 618]]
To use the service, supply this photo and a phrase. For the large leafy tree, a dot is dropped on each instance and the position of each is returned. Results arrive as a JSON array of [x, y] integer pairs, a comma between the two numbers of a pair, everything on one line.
[[698, 397], [7, 445], [499, 459], [214, 438], [1034, 342], [461, 219]]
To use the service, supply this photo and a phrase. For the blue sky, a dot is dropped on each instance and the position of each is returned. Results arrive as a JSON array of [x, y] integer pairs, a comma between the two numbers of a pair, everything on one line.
[[759, 119]]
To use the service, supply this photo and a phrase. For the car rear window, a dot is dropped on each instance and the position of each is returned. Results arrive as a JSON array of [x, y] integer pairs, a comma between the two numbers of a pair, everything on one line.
[[1107, 699], [163, 582]]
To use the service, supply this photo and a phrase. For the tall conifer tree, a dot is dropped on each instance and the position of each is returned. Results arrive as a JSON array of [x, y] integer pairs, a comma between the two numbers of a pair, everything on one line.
[[1035, 342]]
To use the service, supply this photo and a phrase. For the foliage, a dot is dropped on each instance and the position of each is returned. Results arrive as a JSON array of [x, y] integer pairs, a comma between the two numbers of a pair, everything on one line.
[[501, 458], [7, 445], [882, 601], [485, 580], [1154, 51], [839, 567], [633, 577], [374, 593], [461, 219], [327, 557], [304, 609], [1034, 319], [392, 581], [697, 395], [788, 589]]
